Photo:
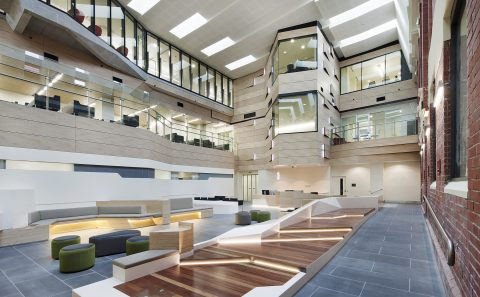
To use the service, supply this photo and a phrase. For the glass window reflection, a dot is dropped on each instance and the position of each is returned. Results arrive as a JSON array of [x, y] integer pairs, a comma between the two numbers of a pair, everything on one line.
[[295, 113]]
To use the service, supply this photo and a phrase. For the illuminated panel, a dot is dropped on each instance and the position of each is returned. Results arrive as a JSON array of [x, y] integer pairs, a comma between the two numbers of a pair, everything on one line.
[[312, 230], [276, 265], [214, 261], [338, 217], [302, 239], [185, 216]]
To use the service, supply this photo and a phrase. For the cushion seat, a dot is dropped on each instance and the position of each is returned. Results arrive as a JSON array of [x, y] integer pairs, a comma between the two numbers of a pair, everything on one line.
[[142, 258], [263, 216], [112, 243], [243, 218], [254, 214], [137, 244], [77, 257], [61, 242]]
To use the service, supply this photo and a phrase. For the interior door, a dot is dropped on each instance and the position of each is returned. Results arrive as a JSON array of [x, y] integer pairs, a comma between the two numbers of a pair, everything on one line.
[[339, 185], [250, 186]]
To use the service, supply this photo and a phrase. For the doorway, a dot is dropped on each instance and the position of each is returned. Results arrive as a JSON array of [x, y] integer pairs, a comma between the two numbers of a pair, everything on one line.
[[250, 186], [338, 185]]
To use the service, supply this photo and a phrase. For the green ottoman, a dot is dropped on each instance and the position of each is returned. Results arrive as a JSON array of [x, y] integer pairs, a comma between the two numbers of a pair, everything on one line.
[[61, 242], [254, 214], [77, 257], [263, 216], [137, 244]]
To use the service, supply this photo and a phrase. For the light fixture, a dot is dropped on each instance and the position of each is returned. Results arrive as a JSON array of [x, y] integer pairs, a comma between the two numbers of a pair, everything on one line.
[[272, 240], [338, 217], [355, 12], [189, 25], [79, 82], [214, 261], [438, 95], [142, 6], [302, 47], [193, 121], [241, 62], [427, 132], [34, 55], [315, 230], [292, 40], [80, 70], [178, 116], [218, 46], [369, 33], [284, 52]]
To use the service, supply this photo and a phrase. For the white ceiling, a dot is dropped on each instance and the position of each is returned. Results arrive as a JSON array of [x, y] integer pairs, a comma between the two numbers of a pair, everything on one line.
[[253, 24]]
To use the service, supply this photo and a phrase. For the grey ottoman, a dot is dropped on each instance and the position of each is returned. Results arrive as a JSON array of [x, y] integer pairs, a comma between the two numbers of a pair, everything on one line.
[[112, 243], [243, 218]]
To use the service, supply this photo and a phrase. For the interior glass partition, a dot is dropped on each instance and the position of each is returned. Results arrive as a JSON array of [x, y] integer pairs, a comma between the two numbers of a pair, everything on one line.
[[295, 54], [195, 76], [110, 21], [295, 113]]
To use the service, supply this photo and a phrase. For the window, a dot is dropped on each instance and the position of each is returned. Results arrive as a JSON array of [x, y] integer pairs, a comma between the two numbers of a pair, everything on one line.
[[295, 113], [185, 71], [84, 12], [459, 79], [141, 47], [230, 92], [295, 54], [175, 57], [211, 83], [102, 14], [130, 41], [195, 76], [203, 80], [375, 72], [225, 91], [152, 54], [63, 5], [117, 28], [165, 61], [218, 86]]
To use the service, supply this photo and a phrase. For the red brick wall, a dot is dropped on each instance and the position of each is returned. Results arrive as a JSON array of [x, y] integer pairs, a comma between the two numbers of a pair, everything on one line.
[[459, 216]]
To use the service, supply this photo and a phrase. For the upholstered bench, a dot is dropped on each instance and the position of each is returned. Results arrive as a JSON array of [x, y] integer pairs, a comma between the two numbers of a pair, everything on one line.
[[61, 242], [112, 243], [137, 244], [243, 218], [263, 216], [254, 214], [77, 257], [144, 263]]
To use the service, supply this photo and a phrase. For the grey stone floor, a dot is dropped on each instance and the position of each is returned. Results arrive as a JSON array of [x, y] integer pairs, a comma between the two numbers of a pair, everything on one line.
[[391, 255], [27, 270]]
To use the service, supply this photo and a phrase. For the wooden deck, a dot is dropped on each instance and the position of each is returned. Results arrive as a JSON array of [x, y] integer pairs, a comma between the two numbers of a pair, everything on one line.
[[235, 269]]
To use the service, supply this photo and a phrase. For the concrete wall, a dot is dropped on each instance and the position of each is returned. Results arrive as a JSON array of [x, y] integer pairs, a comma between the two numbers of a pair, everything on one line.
[[401, 182], [354, 174], [308, 179]]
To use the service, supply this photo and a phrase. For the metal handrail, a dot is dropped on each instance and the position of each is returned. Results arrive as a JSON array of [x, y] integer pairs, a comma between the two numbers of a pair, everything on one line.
[[450, 245]]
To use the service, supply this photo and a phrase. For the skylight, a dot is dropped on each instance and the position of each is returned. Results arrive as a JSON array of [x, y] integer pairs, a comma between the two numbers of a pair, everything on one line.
[[356, 12], [368, 34], [189, 25], [142, 6], [241, 62], [218, 46]]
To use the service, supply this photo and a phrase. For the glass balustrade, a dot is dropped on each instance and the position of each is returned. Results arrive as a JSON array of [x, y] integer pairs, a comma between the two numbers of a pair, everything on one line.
[[111, 22], [363, 131], [33, 81]]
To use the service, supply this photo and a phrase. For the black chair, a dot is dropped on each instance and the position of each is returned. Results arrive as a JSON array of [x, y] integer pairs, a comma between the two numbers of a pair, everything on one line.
[[240, 202], [131, 121], [207, 143], [316, 193], [80, 109], [196, 198], [196, 142], [54, 103], [203, 198], [40, 101]]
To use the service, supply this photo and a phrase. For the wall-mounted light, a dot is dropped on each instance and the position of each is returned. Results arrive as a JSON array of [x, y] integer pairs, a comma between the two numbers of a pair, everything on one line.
[[427, 132], [278, 175], [439, 95]]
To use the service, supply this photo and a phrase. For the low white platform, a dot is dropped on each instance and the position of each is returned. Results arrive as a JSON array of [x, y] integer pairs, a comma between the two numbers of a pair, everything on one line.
[[219, 207]]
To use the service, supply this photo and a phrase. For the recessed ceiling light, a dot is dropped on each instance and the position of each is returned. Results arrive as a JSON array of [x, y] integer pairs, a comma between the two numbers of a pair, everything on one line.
[[356, 12], [368, 34], [142, 6], [189, 25], [218, 46], [241, 62], [303, 46]]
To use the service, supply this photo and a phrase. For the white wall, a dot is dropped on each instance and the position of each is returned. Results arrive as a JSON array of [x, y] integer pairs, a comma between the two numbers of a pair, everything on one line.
[[401, 181], [55, 189], [308, 179], [376, 177], [356, 174]]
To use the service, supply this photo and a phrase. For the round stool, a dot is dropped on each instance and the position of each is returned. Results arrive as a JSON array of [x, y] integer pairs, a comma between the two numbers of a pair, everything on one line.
[[254, 214], [263, 216], [63, 241], [137, 244], [243, 218], [77, 257]]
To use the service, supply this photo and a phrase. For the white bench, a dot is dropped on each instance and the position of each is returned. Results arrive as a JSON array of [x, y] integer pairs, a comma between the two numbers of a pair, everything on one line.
[[137, 265]]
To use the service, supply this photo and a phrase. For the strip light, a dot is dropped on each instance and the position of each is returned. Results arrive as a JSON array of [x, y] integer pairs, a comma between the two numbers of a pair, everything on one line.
[[215, 261], [315, 230], [241, 62], [189, 25], [356, 12], [142, 6], [276, 265], [272, 240], [338, 217], [369, 33], [218, 46]]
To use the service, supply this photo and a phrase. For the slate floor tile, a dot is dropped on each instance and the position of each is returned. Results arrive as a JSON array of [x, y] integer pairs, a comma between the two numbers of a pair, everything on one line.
[[42, 287], [84, 280]]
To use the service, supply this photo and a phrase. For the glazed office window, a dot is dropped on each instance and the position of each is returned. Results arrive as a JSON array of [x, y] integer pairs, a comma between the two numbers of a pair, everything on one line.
[[459, 74], [373, 72], [117, 28], [203, 80], [295, 113], [152, 54], [186, 71], [218, 86], [141, 47], [393, 67], [351, 77], [84, 12], [195, 75], [226, 100], [176, 66], [164, 61], [211, 83], [275, 65], [130, 41], [230, 92], [102, 15], [297, 54], [64, 5]]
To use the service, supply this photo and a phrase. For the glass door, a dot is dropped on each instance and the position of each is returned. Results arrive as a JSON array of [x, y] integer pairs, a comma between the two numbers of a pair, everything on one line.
[[250, 186]]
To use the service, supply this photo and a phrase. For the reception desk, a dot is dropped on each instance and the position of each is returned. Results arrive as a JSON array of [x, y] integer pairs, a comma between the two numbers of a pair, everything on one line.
[[288, 199]]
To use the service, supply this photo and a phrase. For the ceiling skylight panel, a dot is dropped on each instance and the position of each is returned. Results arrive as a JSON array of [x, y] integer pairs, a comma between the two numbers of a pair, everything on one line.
[[142, 6], [189, 25], [368, 34], [356, 12], [241, 62], [218, 46]]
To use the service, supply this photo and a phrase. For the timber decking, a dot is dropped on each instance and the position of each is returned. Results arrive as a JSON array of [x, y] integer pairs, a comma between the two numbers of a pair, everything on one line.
[[235, 269]]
